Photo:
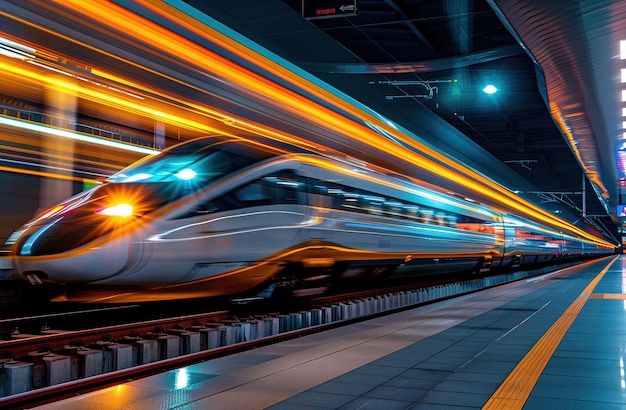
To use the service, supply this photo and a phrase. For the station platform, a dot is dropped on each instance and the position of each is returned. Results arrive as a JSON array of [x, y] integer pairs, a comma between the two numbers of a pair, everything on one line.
[[553, 341]]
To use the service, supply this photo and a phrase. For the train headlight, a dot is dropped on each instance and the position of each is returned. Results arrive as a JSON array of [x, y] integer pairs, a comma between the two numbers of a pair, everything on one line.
[[186, 174], [123, 210]]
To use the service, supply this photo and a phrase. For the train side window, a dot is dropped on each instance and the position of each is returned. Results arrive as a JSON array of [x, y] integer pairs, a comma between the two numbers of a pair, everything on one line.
[[318, 193], [351, 201], [373, 204], [337, 196], [394, 208], [355, 200], [426, 216], [342, 197], [410, 211], [320, 189], [280, 188], [287, 187], [257, 193]]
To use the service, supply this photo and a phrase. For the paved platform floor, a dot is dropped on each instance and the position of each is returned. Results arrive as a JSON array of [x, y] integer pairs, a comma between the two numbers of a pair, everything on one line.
[[557, 341]]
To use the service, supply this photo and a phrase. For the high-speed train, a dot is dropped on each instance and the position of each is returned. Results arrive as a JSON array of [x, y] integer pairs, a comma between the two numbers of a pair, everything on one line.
[[242, 218]]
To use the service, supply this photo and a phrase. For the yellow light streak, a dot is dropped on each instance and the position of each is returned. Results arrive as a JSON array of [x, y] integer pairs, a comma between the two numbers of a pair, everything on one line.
[[105, 98], [288, 100], [178, 45], [53, 159], [105, 158], [45, 129], [50, 212], [48, 175], [328, 117]]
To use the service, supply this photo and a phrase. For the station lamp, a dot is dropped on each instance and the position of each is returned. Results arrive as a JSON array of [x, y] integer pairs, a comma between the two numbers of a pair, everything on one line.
[[490, 89]]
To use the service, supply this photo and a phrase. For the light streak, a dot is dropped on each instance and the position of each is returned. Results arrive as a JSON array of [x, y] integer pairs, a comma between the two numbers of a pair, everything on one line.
[[68, 170], [48, 175], [343, 117], [57, 160], [103, 96], [202, 58], [73, 135]]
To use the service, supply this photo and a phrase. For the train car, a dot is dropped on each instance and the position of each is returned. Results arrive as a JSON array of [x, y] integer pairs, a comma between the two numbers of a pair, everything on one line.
[[243, 218], [533, 244]]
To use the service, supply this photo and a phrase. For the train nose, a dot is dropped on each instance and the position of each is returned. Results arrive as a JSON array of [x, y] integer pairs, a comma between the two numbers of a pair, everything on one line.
[[53, 238], [73, 255], [86, 264]]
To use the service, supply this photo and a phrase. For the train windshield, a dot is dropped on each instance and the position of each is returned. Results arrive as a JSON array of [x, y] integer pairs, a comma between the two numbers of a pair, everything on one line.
[[186, 168], [195, 163]]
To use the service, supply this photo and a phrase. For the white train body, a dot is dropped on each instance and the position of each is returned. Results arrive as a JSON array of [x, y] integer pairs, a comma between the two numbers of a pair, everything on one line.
[[222, 217]]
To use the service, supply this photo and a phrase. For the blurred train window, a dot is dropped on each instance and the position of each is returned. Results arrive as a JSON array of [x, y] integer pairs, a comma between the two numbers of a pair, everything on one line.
[[256, 193], [356, 200], [200, 161], [282, 187], [410, 211], [320, 189], [532, 235], [287, 188], [426, 215], [394, 208], [373, 204]]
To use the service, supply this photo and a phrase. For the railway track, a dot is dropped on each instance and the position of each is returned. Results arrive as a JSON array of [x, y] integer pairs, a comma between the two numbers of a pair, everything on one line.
[[55, 363]]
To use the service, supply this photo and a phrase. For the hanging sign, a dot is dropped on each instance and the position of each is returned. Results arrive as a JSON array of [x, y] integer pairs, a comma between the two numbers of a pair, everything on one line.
[[321, 9]]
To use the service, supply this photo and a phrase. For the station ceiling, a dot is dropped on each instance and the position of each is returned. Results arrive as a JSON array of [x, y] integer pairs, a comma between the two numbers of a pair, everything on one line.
[[555, 121]]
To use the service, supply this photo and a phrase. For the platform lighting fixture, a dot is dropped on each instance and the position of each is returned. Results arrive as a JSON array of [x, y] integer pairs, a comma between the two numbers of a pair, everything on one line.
[[490, 89], [622, 56]]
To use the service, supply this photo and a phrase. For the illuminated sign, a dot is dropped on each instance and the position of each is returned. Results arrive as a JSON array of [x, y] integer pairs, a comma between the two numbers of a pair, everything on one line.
[[320, 9]]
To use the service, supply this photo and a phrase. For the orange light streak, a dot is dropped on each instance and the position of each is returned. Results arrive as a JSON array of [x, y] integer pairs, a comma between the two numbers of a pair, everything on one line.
[[204, 59], [201, 57], [49, 175], [51, 212], [59, 162], [117, 160], [105, 98]]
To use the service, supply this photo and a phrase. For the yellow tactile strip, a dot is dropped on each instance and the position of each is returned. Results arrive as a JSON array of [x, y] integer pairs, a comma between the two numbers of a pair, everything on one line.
[[514, 391], [612, 296]]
